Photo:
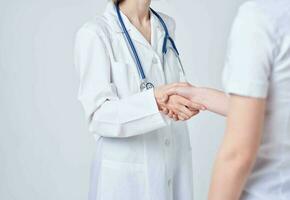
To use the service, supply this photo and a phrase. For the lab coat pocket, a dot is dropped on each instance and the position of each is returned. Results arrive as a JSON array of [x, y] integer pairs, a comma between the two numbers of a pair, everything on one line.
[[121, 180], [124, 77]]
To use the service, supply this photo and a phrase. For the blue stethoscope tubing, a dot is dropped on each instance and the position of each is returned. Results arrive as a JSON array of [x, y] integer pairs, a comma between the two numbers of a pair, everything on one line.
[[145, 84]]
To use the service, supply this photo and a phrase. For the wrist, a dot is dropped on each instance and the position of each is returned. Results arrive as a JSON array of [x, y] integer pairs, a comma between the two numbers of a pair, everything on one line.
[[158, 98], [200, 95]]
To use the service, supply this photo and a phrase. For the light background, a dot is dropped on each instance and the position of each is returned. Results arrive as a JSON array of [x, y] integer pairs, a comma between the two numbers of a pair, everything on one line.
[[45, 149]]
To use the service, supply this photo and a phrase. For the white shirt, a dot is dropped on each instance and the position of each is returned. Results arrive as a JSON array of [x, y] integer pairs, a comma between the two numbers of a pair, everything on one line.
[[258, 65], [140, 153]]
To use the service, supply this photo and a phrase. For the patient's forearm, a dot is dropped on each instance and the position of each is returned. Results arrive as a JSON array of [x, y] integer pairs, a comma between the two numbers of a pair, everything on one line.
[[216, 101]]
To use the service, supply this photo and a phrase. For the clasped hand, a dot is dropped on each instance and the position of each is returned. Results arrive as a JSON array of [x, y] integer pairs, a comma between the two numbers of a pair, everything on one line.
[[175, 106]]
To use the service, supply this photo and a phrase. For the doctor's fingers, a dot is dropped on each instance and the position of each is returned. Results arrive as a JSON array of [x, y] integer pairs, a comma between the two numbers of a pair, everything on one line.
[[172, 115], [165, 111], [181, 116], [175, 117], [184, 113], [193, 113], [192, 105], [179, 109], [189, 104], [178, 105]]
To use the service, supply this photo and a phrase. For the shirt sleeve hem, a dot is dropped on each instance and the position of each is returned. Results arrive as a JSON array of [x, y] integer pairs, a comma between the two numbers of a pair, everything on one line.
[[250, 89]]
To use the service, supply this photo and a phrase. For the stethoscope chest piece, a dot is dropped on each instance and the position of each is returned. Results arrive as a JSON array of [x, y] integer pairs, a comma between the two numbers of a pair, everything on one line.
[[146, 85]]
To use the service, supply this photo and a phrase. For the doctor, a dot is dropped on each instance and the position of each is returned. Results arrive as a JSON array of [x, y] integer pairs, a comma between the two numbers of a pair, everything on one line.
[[140, 153]]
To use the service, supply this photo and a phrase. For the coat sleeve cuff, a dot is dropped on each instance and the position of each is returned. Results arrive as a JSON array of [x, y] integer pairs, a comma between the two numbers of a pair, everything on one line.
[[138, 106]]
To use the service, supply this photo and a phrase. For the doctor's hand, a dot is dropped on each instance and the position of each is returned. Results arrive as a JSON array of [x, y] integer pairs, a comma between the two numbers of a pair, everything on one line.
[[176, 107], [192, 93], [180, 108]]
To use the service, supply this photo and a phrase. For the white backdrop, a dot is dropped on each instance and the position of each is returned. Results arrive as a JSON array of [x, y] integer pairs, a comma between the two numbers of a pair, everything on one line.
[[45, 149]]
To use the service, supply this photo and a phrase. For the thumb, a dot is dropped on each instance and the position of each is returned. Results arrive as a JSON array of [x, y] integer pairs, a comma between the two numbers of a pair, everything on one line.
[[171, 90], [185, 92], [164, 98]]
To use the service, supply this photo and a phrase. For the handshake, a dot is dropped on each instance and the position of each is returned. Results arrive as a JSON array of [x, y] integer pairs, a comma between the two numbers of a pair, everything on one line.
[[178, 101]]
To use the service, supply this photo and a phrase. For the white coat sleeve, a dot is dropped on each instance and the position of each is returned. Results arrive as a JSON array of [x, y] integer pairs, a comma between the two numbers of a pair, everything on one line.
[[107, 114]]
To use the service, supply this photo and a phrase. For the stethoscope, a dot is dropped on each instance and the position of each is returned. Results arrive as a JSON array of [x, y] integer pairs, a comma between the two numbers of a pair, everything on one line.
[[145, 84]]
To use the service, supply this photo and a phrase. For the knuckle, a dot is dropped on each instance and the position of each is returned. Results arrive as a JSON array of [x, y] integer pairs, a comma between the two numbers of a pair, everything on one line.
[[193, 105], [175, 106]]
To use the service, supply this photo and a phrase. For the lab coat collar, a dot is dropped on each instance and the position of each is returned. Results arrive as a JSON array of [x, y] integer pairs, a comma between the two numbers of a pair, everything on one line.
[[111, 15]]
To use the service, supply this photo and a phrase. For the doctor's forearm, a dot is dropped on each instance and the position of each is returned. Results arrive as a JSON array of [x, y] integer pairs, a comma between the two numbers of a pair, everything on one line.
[[127, 117]]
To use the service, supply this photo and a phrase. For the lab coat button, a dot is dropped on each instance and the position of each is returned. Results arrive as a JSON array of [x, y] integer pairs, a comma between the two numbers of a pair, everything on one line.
[[155, 60], [167, 142], [169, 182]]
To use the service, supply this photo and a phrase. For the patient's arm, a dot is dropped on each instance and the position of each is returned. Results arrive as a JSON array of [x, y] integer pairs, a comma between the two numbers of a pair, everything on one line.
[[239, 148], [214, 100]]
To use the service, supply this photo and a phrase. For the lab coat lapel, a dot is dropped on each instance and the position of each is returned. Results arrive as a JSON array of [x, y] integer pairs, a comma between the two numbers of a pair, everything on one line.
[[144, 49], [158, 34], [147, 53], [136, 36]]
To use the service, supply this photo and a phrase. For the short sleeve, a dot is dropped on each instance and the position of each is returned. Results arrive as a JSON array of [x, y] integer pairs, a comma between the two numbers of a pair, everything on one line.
[[250, 53]]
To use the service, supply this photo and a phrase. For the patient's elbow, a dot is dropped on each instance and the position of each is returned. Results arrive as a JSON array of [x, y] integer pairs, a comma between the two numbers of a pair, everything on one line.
[[241, 160]]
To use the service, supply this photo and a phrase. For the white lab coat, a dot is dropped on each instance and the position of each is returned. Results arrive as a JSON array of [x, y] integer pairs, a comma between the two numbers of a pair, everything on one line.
[[140, 153]]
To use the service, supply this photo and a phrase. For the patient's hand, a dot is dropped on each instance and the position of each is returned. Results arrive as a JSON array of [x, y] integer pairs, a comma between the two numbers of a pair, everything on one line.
[[191, 93], [215, 101]]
